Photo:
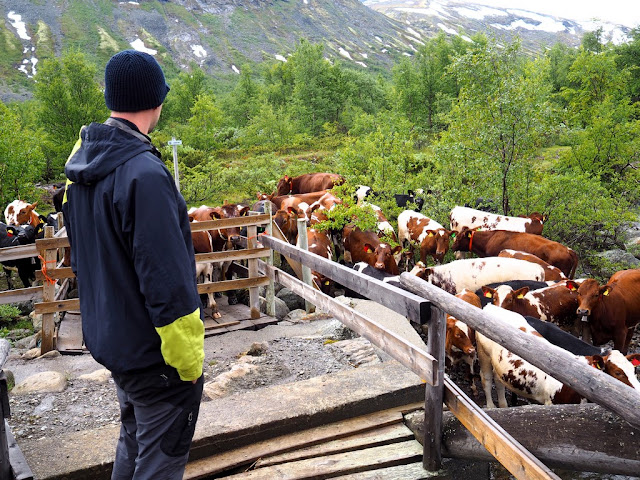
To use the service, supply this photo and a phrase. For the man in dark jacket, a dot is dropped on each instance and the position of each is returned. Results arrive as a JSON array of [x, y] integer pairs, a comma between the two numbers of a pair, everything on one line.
[[132, 253]]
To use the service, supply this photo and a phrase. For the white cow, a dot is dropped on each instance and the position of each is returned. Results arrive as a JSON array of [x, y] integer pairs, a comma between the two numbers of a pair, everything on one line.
[[474, 273], [464, 217], [511, 371]]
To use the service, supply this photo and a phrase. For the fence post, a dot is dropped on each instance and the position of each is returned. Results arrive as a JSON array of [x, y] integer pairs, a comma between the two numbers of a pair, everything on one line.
[[270, 294], [254, 295], [303, 243], [48, 295], [432, 460]]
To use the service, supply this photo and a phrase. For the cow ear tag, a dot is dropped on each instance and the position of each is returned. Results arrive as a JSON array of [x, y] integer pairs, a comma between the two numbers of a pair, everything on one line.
[[367, 249], [520, 296], [606, 292], [635, 362], [488, 294], [429, 234]]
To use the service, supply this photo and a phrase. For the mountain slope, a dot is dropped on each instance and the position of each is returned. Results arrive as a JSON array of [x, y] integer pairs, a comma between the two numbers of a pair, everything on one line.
[[219, 35], [537, 31]]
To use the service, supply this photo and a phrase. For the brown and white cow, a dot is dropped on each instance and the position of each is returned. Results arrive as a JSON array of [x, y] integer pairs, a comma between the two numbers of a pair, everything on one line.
[[20, 212], [519, 376], [365, 246], [460, 338], [491, 243], [613, 310], [202, 244], [309, 182], [465, 217], [473, 273], [320, 244], [433, 238], [550, 272], [556, 303], [287, 221]]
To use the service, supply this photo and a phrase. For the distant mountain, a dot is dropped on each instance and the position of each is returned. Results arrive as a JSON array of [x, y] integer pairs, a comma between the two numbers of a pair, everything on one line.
[[457, 17], [223, 35], [218, 35]]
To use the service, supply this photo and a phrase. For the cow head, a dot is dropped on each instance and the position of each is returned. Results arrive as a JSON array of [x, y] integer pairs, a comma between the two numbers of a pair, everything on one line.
[[463, 239], [285, 185], [457, 337], [287, 221], [436, 244], [20, 212], [618, 366], [589, 295]]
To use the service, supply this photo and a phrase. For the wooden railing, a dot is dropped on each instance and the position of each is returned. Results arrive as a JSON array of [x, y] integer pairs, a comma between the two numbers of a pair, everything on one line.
[[416, 304]]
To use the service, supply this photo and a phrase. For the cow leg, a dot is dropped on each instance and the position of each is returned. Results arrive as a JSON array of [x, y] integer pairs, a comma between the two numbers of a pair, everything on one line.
[[486, 374], [7, 274], [500, 393]]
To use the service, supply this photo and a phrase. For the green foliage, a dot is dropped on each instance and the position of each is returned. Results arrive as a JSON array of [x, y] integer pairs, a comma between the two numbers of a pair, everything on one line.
[[181, 99], [21, 159], [68, 98], [9, 313], [502, 115]]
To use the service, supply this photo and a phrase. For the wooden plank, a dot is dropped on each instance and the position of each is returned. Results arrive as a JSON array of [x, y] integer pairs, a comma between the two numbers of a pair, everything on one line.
[[50, 258], [21, 295], [338, 464], [432, 460], [590, 382], [583, 437], [374, 438], [508, 451], [254, 294], [221, 325], [60, 273], [412, 357], [16, 253], [230, 222], [51, 243], [247, 455], [69, 339], [59, 306], [225, 285], [230, 255], [412, 471], [405, 303]]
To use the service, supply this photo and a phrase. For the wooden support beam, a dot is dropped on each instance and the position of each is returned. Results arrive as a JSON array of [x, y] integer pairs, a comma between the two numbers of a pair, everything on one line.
[[432, 458], [232, 284], [59, 273], [48, 295], [57, 306], [494, 439], [252, 265], [16, 253], [415, 359], [412, 306], [591, 383], [262, 219], [21, 295], [230, 255]]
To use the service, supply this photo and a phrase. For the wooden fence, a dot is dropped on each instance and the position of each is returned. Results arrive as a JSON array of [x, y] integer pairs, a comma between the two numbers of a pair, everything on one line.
[[422, 303], [427, 304]]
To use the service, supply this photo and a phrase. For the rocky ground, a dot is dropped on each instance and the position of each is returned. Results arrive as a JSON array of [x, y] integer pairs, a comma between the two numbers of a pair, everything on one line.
[[234, 362]]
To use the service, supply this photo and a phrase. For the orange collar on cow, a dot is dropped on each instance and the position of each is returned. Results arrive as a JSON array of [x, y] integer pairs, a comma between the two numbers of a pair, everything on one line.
[[471, 240]]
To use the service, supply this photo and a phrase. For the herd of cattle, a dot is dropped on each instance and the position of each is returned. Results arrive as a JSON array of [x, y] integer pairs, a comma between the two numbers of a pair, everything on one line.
[[518, 275]]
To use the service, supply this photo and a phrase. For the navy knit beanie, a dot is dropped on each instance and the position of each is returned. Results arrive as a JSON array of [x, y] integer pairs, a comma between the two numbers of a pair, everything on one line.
[[133, 82]]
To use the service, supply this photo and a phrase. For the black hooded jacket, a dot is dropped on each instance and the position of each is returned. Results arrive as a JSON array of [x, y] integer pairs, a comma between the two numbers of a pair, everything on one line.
[[132, 253]]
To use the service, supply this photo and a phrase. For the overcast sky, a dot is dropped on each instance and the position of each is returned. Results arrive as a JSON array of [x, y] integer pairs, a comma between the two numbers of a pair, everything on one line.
[[623, 12]]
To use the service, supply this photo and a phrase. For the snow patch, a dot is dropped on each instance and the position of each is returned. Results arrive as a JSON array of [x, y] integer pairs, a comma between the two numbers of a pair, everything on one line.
[[364, 55], [138, 44], [199, 51], [235, 69], [362, 64], [414, 33], [281, 58], [378, 38], [18, 24], [434, 10], [344, 53], [446, 29], [479, 12]]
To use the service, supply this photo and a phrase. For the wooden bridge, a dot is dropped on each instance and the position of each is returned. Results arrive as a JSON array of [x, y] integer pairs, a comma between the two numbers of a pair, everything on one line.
[[421, 303]]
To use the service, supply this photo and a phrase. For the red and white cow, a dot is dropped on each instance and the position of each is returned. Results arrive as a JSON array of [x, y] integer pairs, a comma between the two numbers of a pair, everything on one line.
[[202, 244], [287, 221], [550, 272], [365, 246], [320, 244], [433, 238], [309, 182], [465, 217], [491, 243], [519, 376], [473, 273], [20, 212], [460, 338], [613, 310], [556, 303]]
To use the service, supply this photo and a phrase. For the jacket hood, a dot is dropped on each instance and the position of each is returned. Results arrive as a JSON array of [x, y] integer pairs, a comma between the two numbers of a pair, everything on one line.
[[103, 148]]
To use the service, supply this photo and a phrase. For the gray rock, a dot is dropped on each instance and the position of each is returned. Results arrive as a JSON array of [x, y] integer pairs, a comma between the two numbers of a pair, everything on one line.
[[46, 405], [296, 316], [281, 308], [99, 376], [336, 330], [292, 300], [620, 257], [40, 383]]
